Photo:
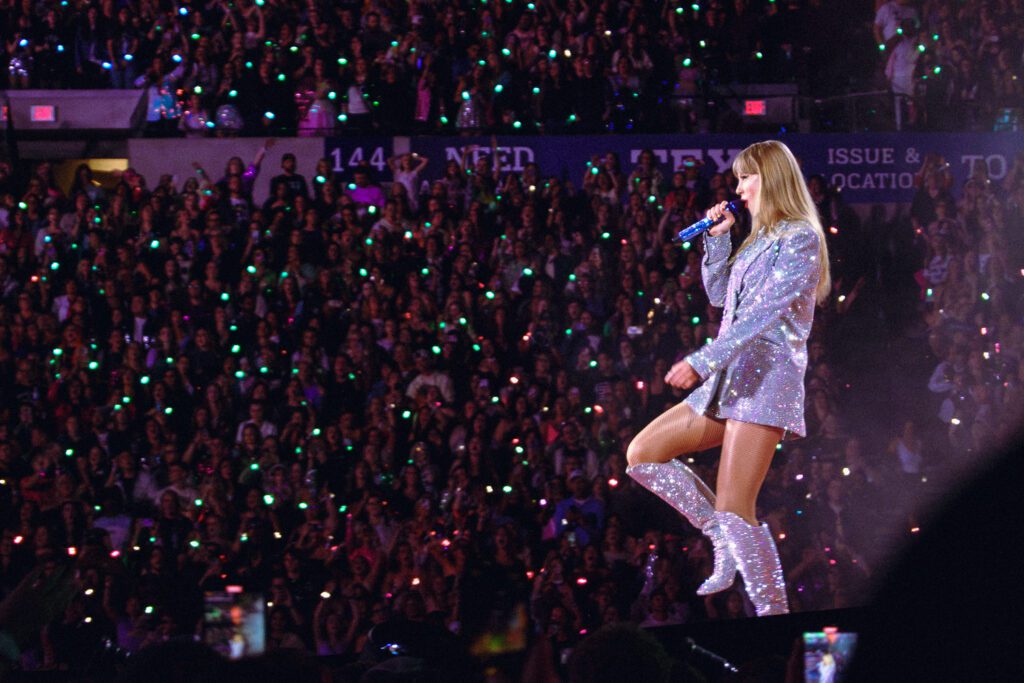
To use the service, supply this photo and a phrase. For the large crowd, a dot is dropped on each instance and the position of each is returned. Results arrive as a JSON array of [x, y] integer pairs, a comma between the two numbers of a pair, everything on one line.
[[370, 406], [957, 64], [261, 66], [408, 402]]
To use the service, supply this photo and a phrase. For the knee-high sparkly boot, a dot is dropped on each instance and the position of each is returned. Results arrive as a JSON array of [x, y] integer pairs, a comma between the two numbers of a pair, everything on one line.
[[758, 560], [677, 485]]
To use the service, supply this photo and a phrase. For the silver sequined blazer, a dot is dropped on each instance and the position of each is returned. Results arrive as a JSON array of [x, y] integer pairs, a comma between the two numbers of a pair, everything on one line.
[[754, 370]]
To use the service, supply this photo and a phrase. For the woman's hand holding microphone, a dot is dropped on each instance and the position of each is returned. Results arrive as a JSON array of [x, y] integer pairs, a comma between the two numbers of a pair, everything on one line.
[[719, 211]]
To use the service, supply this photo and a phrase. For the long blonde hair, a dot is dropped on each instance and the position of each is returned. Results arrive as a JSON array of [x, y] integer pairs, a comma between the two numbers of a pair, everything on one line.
[[784, 197]]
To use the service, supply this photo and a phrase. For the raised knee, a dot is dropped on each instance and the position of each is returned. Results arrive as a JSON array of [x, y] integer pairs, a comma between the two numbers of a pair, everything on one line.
[[635, 454]]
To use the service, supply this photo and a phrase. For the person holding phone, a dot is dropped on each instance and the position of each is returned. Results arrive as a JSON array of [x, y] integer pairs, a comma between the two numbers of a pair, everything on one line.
[[752, 393]]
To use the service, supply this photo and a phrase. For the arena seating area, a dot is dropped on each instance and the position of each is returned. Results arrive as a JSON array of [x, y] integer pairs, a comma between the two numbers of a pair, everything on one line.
[[406, 400], [262, 66]]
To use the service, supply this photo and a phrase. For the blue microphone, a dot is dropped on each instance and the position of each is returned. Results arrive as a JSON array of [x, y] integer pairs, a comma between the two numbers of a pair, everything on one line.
[[703, 224]]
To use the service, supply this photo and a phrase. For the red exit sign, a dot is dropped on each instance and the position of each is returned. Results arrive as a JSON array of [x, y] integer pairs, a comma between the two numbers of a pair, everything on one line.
[[755, 107], [43, 113]]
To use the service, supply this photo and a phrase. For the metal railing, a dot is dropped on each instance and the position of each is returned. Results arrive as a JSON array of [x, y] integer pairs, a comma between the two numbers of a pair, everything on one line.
[[884, 110]]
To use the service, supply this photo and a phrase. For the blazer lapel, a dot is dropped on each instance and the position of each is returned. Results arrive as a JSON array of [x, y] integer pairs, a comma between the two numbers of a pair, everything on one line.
[[744, 261]]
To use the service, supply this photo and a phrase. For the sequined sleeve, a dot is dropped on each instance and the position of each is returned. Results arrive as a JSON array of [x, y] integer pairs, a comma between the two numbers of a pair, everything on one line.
[[791, 282], [714, 268]]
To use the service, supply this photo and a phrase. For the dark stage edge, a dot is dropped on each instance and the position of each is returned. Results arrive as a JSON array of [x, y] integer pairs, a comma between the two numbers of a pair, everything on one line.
[[742, 641]]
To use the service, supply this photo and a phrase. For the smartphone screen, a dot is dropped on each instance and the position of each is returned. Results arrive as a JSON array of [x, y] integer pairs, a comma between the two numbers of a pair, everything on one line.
[[234, 623], [827, 655]]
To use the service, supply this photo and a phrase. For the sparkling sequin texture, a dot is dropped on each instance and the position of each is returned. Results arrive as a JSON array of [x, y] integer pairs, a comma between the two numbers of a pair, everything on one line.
[[754, 370], [677, 485], [758, 561]]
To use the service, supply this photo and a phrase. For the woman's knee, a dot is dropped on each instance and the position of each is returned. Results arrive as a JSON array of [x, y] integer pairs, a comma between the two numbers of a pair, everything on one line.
[[633, 452], [637, 454]]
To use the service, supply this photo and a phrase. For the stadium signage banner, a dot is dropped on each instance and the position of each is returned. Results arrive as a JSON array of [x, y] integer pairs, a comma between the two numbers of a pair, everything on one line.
[[345, 153], [868, 167]]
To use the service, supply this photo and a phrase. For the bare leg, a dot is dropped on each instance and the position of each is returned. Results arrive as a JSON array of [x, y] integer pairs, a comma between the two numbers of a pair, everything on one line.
[[747, 451], [746, 455], [676, 431], [652, 464]]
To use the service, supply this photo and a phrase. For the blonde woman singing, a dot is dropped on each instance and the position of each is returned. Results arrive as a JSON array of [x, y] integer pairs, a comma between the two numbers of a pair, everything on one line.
[[751, 376]]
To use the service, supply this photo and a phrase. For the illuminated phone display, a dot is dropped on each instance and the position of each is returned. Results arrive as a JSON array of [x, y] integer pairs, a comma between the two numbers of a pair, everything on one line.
[[827, 655], [234, 622]]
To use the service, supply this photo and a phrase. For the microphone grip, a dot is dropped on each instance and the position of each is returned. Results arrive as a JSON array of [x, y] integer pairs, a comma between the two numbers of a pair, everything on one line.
[[696, 229], [703, 224]]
